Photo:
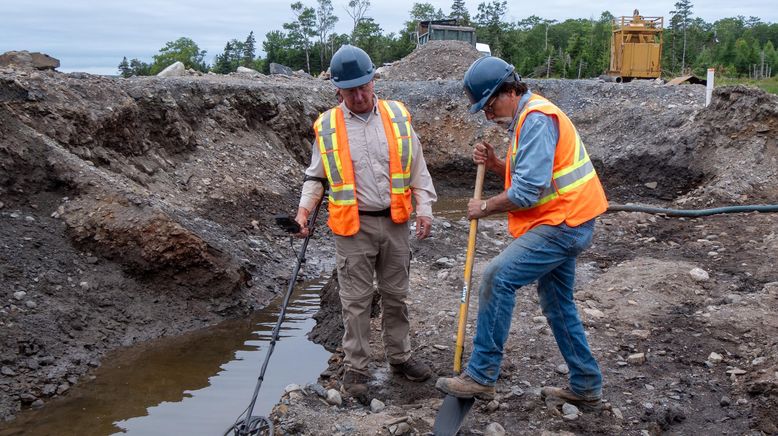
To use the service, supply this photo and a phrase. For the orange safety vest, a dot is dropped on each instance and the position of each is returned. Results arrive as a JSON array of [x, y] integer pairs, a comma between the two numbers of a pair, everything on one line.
[[575, 194], [332, 138]]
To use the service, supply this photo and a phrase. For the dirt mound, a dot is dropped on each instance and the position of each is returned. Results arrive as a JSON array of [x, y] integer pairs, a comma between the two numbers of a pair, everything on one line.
[[139, 208], [435, 60]]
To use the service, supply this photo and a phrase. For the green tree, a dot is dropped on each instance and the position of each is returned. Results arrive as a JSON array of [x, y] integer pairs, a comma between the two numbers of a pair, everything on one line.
[[357, 9], [275, 47], [231, 58], [249, 50], [490, 24], [124, 68], [325, 22], [139, 68], [300, 31], [184, 50], [460, 12], [682, 17]]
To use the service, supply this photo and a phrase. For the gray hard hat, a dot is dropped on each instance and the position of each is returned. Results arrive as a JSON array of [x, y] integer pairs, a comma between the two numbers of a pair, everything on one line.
[[351, 67]]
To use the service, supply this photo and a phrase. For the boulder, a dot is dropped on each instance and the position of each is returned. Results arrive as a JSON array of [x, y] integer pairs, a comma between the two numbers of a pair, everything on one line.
[[25, 59], [177, 69], [280, 69]]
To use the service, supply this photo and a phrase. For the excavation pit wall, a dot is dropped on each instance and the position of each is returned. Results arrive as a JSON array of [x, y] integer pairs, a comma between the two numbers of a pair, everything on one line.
[[141, 207]]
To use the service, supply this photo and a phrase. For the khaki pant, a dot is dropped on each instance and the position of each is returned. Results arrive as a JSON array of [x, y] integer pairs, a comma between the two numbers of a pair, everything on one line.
[[381, 247]]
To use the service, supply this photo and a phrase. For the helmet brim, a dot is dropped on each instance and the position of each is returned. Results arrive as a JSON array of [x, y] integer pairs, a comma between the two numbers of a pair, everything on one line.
[[353, 83]]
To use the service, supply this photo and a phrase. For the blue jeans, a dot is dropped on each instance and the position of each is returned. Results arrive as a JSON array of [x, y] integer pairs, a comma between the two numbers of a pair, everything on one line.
[[546, 254]]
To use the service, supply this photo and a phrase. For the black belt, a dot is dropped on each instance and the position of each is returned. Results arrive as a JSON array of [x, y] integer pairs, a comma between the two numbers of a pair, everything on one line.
[[384, 212]]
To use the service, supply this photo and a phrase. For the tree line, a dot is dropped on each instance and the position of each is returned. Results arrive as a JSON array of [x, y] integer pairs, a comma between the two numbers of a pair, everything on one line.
[[538, 47]]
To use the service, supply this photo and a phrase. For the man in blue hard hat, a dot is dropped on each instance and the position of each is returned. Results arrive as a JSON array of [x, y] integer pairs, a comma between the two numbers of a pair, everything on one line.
[[552, 196], [373, 161]]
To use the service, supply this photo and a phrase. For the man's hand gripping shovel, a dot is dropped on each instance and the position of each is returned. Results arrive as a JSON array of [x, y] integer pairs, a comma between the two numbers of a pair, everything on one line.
[[453, 411]]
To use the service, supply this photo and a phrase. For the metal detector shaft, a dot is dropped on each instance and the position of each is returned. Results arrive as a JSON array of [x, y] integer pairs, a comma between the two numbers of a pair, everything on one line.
[[242, 430]]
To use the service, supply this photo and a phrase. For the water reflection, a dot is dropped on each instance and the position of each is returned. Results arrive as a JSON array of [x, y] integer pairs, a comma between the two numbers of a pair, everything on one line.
[[194, 385]]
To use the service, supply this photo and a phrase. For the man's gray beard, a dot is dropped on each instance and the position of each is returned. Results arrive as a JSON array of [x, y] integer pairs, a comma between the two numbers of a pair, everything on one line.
[[504, 122]]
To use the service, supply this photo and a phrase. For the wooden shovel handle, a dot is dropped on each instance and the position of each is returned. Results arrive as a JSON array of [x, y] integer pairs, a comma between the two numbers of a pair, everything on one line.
[[465, 300]]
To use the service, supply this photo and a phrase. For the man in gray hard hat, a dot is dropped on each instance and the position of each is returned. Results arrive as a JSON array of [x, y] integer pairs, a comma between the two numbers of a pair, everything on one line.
[[373, 161]]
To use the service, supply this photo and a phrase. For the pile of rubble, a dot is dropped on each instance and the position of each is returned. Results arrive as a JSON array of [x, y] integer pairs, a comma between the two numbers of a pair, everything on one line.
[[435, 60]]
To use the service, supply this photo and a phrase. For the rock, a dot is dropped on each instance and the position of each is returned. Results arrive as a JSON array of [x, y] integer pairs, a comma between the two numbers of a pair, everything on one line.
[[736, 371], [292, 388], [571, 417], [617, 413], [37, 404], [7, 371], [280, 69], [334, 398], [569, 409], [318, 389], [562, 368], [19, 295], [494, 429], [399, 429], [25, 59], [492, 406], [758, 361], [244, 70], [176, 69], [377, 405], [594, 313], [30, 304], [539, 320], [725, 401], [733, 299], [651, 185], [637, 358], [62, 388], [699, 275], [641, 334], [715, 358], [445, 262]]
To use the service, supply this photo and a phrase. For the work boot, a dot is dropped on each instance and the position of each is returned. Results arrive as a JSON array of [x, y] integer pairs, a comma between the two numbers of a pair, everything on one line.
[[412, 369], [354, 383], [465, 387], [568, 396]]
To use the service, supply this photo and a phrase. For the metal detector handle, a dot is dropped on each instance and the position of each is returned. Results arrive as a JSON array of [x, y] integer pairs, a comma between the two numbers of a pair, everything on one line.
[[282, 315]]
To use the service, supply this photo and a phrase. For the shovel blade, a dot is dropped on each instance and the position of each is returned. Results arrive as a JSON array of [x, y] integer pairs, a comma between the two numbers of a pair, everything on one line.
[[451, 415]]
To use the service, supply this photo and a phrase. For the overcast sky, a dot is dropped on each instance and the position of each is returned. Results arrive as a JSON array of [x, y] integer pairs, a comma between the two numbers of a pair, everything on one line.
[[93, 36]]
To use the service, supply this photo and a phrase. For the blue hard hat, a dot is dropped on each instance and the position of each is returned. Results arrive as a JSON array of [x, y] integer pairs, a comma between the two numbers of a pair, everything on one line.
[[484, 78], [351, 67]]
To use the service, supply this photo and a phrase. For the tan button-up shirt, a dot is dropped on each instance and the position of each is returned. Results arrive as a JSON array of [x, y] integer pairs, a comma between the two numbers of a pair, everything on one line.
[[370, 155]]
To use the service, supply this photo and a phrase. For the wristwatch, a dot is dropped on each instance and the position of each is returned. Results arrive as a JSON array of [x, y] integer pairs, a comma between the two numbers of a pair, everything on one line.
[[483, 206]]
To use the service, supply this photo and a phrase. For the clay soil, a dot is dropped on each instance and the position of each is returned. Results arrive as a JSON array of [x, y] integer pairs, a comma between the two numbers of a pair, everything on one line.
[[132, 209]]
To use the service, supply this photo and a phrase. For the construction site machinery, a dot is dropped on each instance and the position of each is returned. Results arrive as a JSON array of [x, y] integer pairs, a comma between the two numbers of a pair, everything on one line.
[[636, 48], [440, 30]]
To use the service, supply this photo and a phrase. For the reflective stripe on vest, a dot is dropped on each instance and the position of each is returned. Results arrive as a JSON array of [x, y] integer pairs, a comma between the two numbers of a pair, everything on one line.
[[332, 140], [340, 193], [401, 125]]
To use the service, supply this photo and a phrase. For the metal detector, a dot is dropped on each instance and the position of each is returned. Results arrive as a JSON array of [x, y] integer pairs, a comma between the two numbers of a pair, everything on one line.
[[248, 424]]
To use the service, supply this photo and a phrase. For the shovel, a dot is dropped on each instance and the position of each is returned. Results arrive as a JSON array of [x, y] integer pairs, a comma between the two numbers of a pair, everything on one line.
[[453, 411]]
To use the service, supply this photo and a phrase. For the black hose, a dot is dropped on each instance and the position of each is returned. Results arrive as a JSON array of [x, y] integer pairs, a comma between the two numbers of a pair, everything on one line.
[[692, 213]]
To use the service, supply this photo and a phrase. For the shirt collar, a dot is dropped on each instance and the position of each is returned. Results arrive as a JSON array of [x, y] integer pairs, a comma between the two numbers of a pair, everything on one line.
[[519, 109]]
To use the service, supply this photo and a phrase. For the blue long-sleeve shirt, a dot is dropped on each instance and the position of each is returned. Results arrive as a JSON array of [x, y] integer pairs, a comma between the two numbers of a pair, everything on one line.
[[533, 167]]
